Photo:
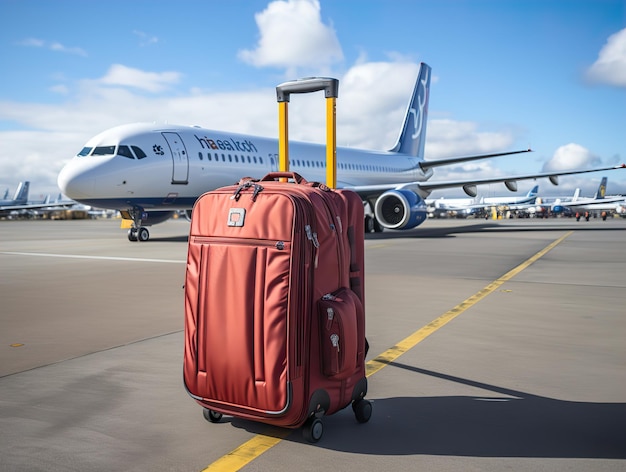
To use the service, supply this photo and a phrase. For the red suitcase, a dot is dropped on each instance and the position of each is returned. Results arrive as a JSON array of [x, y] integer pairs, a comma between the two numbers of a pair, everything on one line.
[[274, 307]]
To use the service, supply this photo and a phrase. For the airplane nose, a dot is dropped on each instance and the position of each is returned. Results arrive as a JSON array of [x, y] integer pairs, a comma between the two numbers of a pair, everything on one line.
[[75, 183]]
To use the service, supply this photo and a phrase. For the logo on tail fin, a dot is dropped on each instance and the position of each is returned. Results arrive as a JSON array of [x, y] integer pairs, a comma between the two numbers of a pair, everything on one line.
[[413, 134], [602, 188], [418, 119]]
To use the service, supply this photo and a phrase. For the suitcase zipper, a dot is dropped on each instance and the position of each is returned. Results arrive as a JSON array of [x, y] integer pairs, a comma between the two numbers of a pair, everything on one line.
[[280, 245], [308, 259]]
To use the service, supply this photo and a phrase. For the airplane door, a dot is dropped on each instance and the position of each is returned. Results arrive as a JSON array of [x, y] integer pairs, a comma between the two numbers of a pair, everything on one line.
[[180, 159]]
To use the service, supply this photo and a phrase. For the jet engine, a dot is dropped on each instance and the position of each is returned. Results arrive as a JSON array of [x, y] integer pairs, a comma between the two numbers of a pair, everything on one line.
[[400, 209]]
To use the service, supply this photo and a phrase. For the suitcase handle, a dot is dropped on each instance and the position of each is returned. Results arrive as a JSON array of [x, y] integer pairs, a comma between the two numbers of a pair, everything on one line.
[[297, 178], [329, 85]]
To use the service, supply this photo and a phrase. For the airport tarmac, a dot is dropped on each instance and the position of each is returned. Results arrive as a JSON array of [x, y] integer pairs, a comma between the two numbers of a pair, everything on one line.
[[528, 373]]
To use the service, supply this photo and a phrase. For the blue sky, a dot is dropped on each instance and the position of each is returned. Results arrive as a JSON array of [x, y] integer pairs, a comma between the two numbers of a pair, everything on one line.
[[507, 75]]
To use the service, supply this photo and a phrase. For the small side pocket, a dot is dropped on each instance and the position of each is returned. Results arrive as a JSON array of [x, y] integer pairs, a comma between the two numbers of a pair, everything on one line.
[[338, 331]]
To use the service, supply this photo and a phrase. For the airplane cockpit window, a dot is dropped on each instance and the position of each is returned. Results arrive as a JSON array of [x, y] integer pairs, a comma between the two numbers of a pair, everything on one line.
[[84, 152], [103, 151], [125, 151], [139, 152]]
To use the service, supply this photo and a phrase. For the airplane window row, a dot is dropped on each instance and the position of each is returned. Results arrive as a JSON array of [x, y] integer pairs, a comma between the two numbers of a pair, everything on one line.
[[298, 163], [347, 166], [232, 158]]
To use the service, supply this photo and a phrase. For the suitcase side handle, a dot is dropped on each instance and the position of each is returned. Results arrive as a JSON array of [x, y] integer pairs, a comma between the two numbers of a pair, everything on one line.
[[297, 178], [329, 85]]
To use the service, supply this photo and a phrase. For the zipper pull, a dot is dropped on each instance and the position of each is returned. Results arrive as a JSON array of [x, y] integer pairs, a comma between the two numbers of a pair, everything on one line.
[[334, 340], [330, 313], [311, 236], [339, 224], [257, 189]]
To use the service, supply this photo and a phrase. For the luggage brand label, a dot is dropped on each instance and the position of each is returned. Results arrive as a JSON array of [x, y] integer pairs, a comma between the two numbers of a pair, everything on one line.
[[236, 216]]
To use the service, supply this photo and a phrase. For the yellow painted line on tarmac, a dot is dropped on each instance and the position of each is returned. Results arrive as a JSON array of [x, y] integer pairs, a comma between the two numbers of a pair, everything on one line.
[[409, 342], [250, 450]]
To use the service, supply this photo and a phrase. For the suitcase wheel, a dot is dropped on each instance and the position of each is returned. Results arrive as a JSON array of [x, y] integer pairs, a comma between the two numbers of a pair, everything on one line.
[[212, 416], [362, 410], [313, 429]]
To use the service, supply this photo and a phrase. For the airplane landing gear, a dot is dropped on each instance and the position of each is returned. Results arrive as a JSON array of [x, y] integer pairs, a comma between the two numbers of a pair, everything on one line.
[[372, 225], [137, 232]]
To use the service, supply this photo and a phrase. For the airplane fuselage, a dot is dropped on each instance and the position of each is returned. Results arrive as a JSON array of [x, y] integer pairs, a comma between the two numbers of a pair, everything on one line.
[[168, 168]]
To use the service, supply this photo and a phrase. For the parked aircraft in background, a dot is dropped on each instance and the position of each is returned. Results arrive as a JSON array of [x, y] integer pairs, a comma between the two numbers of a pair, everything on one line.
[[469, 206], [148, 171], [20, 202], [600, 205], [20, 197]]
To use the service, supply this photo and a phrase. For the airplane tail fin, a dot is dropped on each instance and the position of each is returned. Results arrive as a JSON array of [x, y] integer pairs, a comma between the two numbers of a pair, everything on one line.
[[21, 194], [576, 194], [532, 193], [601, 189], [413, 134]]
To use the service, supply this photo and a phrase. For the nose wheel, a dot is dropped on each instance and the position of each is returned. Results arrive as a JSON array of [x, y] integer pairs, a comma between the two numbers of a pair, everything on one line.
[[136, 232]]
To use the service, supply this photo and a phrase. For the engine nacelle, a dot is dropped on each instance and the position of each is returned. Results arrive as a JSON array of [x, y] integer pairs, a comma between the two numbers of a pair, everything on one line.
[[400, 209]]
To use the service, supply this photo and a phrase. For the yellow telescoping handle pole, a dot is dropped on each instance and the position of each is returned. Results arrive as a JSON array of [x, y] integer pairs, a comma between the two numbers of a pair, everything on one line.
[[283, 136], [330, 87], [331, 142]]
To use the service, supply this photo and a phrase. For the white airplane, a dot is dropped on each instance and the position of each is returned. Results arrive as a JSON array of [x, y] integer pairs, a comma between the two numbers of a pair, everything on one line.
[[599, 203], [148, 171], [469, 205]]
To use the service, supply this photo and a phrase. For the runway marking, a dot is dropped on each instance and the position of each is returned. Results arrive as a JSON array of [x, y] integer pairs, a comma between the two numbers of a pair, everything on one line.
[[248, 451], [409, 342], [261, 443], [101, 258]]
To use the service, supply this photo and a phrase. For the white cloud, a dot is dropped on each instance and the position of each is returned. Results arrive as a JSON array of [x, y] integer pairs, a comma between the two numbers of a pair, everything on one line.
[[572, 157], [33, 42], [448, 137], [60, 89], [145, 38], [53, 46], [150, 81], [610, 67], [293, 36]]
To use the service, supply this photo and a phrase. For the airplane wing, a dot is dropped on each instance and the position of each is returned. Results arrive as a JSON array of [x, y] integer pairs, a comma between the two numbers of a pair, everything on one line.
[[594, 202], [469, 186], [36, 206], [425, 165]]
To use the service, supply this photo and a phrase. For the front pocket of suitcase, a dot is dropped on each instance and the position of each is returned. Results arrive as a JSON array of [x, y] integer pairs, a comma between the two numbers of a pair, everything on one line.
[[242, 325], [338, 331]]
